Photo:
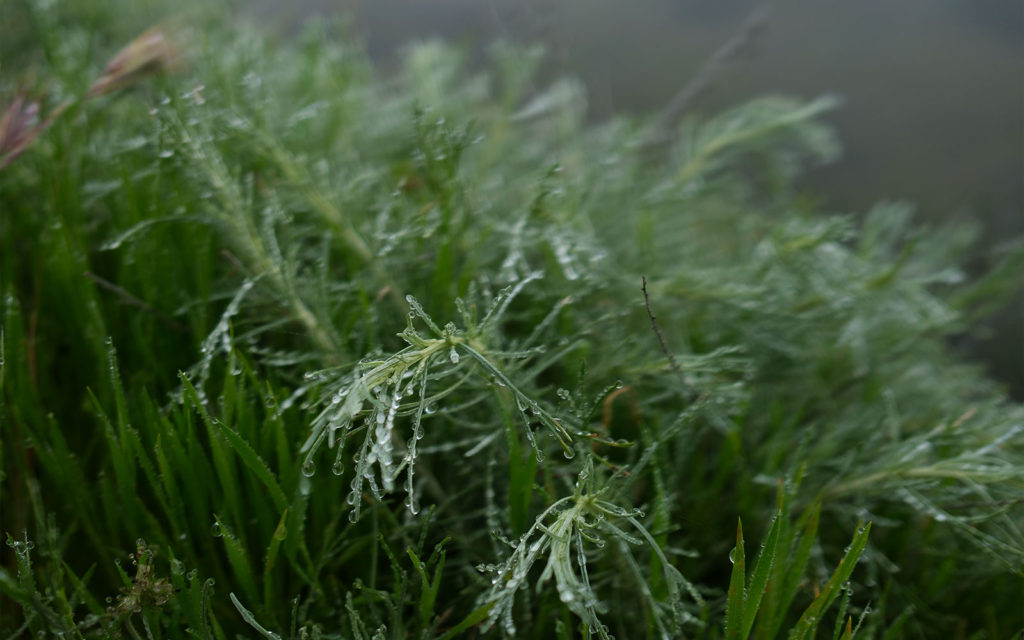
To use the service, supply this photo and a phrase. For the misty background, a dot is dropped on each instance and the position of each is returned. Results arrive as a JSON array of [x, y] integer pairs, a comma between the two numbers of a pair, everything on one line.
[[933, 90]]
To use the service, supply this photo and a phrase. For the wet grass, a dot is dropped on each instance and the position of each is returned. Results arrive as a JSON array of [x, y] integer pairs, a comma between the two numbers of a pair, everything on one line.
[[292, 350]]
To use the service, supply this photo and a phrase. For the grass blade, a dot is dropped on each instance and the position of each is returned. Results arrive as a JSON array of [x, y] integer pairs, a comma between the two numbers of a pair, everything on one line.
[[734, 613], [762, 571], [251, 619], [811, 617], [254, 462]]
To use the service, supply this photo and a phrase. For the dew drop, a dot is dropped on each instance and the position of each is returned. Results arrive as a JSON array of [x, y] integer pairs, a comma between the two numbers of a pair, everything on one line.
[[338, 468], [732, 556], [216, 530], [430, 408], [453, 355], [308, 468]]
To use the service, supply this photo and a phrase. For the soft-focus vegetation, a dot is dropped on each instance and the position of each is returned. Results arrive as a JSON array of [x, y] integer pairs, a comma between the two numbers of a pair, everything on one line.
[[293, 350]]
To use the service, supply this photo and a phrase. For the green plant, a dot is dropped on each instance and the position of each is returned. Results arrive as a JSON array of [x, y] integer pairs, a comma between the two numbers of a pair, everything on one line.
[[579, 357]]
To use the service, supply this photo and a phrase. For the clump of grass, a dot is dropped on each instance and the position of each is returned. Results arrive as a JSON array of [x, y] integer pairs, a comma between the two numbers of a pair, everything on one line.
[[548, 364]]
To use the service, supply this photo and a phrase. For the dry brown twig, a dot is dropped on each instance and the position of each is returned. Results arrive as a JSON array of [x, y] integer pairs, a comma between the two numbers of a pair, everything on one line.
[[661, 338]]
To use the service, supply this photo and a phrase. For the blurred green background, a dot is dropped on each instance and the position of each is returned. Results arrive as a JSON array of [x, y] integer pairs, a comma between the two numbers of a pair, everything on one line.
[[933, 90]]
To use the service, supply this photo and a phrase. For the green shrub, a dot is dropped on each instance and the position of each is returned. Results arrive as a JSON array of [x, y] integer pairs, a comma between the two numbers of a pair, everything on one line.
[[293, 350]]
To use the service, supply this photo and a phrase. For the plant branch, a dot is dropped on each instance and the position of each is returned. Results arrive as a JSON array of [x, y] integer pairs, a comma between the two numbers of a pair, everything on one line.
[[711, 67], [661, 338]]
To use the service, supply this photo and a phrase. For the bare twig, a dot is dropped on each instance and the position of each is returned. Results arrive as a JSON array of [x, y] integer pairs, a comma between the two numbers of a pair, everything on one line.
[[711, 67], [661, 338]]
